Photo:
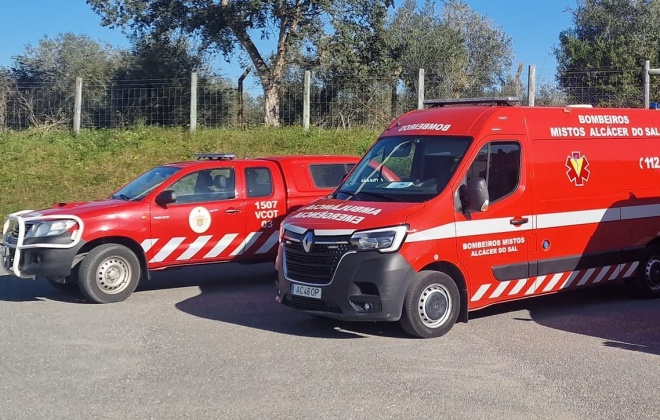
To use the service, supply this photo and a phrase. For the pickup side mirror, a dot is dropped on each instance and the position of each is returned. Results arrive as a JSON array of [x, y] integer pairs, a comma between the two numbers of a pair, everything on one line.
[[166, 197], [474, 196]]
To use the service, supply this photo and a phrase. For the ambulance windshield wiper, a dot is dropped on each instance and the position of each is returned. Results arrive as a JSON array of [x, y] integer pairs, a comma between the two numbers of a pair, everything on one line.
[[356, 195]]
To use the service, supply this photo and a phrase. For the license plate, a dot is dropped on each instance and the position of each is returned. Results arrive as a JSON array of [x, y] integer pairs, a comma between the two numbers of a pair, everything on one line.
[[306, 291]]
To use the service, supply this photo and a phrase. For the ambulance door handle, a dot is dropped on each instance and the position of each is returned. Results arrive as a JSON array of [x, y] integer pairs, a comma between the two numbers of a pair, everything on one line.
[[230, 211], [518, 222]]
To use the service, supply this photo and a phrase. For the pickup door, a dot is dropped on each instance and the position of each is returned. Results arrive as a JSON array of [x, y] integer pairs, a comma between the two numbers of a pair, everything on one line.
[[223, 213]]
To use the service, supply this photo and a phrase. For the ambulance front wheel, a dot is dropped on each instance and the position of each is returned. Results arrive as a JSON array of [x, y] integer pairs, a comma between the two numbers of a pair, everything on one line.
[[109, 273], [647, 282], [431, 305]]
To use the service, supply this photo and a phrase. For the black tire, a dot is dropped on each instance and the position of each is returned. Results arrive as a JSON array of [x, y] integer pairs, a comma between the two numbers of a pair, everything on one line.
[[431, 305], [647, 282], [109, 273]]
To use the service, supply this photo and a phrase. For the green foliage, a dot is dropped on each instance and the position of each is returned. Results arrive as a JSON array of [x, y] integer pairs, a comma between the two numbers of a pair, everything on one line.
[[38, 171], [612, 35], [222, 25]]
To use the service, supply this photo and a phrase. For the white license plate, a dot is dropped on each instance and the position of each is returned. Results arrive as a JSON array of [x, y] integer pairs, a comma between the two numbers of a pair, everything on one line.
[[306, 291]]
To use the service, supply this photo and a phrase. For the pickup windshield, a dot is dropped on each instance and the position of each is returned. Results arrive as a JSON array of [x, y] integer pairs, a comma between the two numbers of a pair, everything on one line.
[[405, 168], [138, 188]]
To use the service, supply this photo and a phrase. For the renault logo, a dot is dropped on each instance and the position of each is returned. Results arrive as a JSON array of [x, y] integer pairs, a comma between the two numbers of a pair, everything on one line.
[[308, 241]]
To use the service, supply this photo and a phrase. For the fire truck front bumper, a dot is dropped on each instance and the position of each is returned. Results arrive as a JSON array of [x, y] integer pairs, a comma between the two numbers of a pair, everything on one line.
[[365, 286]]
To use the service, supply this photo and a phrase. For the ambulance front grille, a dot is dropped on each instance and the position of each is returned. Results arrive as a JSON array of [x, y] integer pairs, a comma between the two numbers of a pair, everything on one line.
[[316, 266]]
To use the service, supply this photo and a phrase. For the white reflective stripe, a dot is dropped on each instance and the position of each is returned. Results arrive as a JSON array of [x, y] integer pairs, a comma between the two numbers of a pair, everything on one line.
[[486, 226], [616, 272], [553, 282], [600, 275], [269, 243], [518, 287], [500, 288], [221, 245], [586, 276], [640, 212], [631, 270], [147, 244], [535, 285], [570, 279], [482, 290], [246, 243], [169, 247], [574, 218], [540, 221], [194, 247]]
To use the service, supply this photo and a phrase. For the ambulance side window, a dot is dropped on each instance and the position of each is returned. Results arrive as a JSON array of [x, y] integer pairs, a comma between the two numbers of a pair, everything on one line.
[[499, 164]]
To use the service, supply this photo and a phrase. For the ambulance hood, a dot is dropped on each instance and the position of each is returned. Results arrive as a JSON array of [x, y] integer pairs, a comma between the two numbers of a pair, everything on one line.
[[345, 215]]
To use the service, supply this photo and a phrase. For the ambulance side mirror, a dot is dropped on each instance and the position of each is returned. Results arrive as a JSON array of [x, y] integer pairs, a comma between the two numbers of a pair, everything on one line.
[[166, 197], [474, 196]]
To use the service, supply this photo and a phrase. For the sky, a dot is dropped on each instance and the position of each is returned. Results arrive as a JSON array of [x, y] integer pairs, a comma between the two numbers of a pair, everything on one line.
[[533, 25]]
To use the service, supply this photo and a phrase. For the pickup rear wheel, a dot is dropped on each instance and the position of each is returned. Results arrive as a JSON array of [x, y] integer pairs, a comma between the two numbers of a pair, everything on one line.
[[109, 273], [431, 305]]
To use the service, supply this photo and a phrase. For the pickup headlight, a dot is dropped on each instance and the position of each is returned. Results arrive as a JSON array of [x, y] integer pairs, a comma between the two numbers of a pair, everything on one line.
[[50, 228], [382, 240]]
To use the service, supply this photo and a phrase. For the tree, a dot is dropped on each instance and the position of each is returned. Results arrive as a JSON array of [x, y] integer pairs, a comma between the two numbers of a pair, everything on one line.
[[46, 75], [469, 53], [608, 40], [225, 24]]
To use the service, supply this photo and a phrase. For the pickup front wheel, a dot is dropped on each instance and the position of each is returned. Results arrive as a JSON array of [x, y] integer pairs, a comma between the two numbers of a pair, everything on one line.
[[109, 273], [431, 305]]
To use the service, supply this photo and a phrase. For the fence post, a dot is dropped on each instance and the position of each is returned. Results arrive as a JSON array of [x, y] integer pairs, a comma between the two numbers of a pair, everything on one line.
[[193, 102], [420, 89], [307, 99], [531, 85], [77, 106]]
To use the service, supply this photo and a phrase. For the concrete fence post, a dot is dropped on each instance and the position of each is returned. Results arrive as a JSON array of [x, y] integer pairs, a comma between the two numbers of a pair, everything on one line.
[[420, 89], [307, 102], [77, 106], [531, 85], [193, 102]]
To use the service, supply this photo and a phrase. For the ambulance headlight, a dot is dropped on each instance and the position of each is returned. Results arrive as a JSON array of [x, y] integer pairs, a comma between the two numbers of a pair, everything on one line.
[[50, 228], [382, 240]]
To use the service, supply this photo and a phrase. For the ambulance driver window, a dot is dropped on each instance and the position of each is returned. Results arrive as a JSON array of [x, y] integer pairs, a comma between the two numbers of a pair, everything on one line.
[[499, 164]]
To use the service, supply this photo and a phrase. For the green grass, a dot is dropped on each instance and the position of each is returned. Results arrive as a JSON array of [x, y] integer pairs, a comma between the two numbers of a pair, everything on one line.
[[39, 170]]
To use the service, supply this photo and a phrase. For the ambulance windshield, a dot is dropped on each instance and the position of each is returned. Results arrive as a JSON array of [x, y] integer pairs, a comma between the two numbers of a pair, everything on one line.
[[405, 168]]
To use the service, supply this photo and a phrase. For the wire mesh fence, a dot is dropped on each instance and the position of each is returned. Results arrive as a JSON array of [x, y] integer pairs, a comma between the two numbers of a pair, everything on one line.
[[368, 102]]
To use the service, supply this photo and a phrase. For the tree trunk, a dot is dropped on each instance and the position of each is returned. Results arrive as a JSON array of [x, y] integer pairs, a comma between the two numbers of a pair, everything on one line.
[[272, 104]]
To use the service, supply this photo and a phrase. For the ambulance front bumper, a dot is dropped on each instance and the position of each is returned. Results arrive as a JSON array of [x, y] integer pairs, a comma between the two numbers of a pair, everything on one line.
[[365, 286]]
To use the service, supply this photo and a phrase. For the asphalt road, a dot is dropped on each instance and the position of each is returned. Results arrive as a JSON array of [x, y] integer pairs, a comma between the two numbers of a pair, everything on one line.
[[211, 343]]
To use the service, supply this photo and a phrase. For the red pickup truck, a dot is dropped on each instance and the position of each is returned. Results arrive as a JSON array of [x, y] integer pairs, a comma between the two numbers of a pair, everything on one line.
[[213, 209]]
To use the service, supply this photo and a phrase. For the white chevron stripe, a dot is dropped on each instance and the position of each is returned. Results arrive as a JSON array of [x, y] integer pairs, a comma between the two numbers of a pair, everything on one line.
[[169, 247], [535, 285], [587, 276], [221, 245], [482, 290], [553, 282], [147, 244], [570, 279], [269, 243], [246, 244], [194, 248], [631, 270], [616, 272], [518, 287], [601, 274], [500, 288]]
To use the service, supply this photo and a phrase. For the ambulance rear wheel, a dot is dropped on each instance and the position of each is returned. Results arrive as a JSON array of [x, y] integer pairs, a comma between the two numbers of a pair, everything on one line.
[[431, 305], [109, 273], [647, 283]]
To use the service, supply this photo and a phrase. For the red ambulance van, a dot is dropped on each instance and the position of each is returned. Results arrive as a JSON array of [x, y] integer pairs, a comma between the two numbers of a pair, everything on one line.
[[470, 203]]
